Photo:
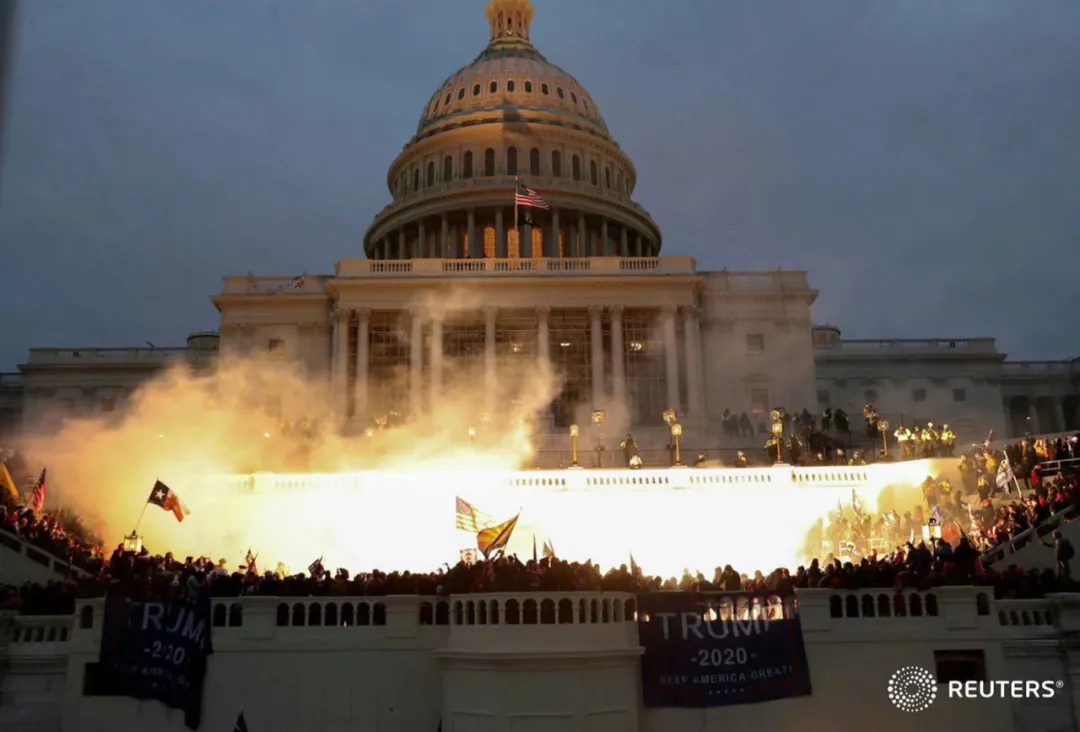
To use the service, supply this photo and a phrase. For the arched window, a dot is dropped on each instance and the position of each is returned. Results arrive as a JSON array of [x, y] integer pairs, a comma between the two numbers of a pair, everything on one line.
[[573, 97], [446, 102], [447, 169], [593, 178], [537, 242], [575, 167], [494, 87], [560, 93], [431, 174], [510, 85], [461, 93], [489, 162], [466, 171], [534, 161], [607, 177], [489, 242], [556, 164], [528, 87], [416, 179], [544, 89], [476, 90], [511, 161]]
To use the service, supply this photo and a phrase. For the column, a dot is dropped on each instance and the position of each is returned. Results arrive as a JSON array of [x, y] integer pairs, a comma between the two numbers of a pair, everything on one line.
[[623, 245], [637, 245], [543, 342], [695, 387], [453, 249], [500, 235], [618, 354], [551, 248], [341, 358], [401, 250], [603, 238], [475, 251], [416, 361], [421, 241], [583, 244], [525, 243], [444, 237], [382, 248], [436, 361], [596, 334], [489, 360], [360, 385], [671, 356]]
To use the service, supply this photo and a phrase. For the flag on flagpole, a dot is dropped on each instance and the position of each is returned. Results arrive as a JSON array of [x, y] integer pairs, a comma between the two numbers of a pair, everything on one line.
[[856, 505], [1005, 474], [495, 537], [535, 560], [297, 283], [241, 723], [37, 497], [525, 196], [549, 550], [165, 498], [315, 569], [470, 519], [250, 559]]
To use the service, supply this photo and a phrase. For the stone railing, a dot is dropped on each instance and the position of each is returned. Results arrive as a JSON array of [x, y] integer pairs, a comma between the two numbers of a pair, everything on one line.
[[778, 281], [11, 381], [19, 545], [940, 346], [1039, 369], [117, 356]]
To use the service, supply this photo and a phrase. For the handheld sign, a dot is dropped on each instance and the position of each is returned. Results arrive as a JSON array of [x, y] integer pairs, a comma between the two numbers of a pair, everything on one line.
[[722, 648], [157, 649]]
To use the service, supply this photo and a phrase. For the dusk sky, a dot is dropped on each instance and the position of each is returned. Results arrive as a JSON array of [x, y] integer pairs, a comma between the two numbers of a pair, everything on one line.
[[919, 158]]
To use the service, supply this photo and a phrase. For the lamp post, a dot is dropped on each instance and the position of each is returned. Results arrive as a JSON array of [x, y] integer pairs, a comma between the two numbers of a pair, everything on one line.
[[883, 427], [778, 435], [472, 435], [676, 433], [573, 446], [598, 417], [133, 543]]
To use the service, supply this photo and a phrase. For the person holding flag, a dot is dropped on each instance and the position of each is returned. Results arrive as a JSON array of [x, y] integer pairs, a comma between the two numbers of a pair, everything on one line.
[[249, 560]]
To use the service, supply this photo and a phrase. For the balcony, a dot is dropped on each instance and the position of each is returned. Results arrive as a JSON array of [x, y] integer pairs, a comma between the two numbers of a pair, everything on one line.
[[936, 347], [11, 381], [1039, 369], [89, 357]]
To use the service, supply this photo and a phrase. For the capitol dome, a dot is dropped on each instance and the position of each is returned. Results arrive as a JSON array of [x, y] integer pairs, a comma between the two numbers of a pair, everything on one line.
[[511, 117]]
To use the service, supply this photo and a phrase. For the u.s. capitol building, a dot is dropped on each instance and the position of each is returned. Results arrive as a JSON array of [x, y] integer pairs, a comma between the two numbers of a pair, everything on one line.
[[585, 286]]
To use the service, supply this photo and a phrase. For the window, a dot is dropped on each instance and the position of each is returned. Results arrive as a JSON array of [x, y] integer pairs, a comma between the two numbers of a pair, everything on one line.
[[759, 402], [510, 85], [431, 173], [755, 343], [461, 93], [585, 102], [823, 396], [511, 161], [870, 396], [534, 161], [108, 404], [959, 395], [607, 177], [466, 166], [275, 347], [476, 90], [416, 179], [446, 102], [544, 89], [494, 87], [528, 87], [489, 162], [447, 169], [556, 164], [966, 665], [559, 92], [919, 395], [593, 178], [575, 167], [573, 97]]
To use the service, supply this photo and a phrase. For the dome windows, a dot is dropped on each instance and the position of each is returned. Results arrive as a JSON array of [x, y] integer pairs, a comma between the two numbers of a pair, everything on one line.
[[446, 102], [511, 161], [544, 89], [466, 165], [534, 161], [560, 93], [416, 179], [528, 87], [607, 177], [493, 87], [573, 97], [489, 163], [575, 167], [510, 85], [556, 164], [431, 174], [448, 169], [461, 93], [476, 90], [593, 177]]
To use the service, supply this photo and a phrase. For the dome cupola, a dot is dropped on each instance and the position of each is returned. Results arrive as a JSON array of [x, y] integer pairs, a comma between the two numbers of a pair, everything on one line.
[[509, 19]]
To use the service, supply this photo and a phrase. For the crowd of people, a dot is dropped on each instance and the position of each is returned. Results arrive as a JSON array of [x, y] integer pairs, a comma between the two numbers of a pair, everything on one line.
[[865, 550]]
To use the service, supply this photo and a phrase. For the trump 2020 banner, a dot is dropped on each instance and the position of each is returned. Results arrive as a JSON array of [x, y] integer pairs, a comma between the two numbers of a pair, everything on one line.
[[715, 649], [157, 649]]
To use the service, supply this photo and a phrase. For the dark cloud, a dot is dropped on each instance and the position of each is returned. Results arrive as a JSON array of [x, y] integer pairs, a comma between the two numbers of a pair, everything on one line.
[[918, 158]]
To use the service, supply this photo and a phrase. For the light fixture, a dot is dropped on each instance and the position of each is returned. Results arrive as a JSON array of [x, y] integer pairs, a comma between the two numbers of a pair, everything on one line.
[[564, 344], [676, 433], [637, 346], [133, 543], [574, 431]]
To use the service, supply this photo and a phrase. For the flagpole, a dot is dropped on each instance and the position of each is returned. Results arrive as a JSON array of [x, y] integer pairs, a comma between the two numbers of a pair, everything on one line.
[[142, 513], [516, 217]]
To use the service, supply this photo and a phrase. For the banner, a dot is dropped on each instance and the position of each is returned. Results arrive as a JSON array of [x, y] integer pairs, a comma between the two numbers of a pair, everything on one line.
[[157, 649], [720, 648]]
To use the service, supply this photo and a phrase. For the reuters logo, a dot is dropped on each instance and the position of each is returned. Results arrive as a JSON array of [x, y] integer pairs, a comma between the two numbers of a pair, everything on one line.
[[912, 689]]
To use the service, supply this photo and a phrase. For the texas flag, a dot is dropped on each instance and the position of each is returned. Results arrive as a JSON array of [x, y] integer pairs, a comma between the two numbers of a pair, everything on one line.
[[165, 497]]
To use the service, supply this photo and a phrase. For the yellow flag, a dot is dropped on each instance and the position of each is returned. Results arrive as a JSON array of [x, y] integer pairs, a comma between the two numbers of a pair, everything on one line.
[[495, 537], [7, 484]]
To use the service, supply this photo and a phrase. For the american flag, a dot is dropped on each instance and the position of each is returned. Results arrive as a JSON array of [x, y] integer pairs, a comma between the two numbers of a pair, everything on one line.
[[297, 283], [250, 560], [315, 569], [470, 519], [37, 498], [525, 196]]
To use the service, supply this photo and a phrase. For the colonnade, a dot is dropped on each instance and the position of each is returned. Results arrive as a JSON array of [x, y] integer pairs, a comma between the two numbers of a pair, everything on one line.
[[486, 232], [354, 322]]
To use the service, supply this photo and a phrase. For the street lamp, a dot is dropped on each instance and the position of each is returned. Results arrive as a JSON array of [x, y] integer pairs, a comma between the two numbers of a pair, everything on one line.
[[598, 417], [133, 543], [778, 435], [676, 433], [883, 427], [573, 446], [472, 435]]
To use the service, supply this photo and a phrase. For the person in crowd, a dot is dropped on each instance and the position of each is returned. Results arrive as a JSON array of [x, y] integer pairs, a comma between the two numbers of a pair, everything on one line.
[[1063, 554]]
